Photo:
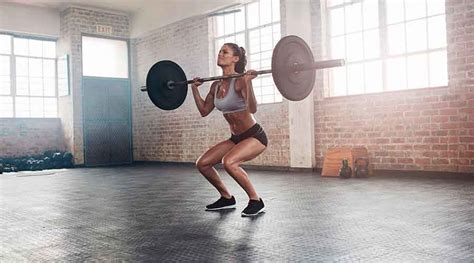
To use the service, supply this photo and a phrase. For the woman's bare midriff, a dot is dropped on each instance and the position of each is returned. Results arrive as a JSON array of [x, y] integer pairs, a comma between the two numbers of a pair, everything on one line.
[[240, 121]]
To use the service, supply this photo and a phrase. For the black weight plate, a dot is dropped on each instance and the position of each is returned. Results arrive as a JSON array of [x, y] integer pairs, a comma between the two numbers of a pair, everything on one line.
[[157, 80], [289, 51]]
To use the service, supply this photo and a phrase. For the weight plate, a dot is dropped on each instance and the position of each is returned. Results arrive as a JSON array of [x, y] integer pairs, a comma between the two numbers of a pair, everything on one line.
[[157, 80]]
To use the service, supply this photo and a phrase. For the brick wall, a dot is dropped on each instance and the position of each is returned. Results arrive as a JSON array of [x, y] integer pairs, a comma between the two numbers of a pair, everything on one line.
[[182, 135], [74, 23], [22, 137], [426, 129]]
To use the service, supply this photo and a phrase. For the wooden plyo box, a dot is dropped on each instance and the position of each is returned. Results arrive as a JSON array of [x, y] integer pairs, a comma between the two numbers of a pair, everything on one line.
[[334, 156]]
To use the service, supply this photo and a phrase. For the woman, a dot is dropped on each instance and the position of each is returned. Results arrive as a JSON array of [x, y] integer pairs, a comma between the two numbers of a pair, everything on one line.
[[236, 99]]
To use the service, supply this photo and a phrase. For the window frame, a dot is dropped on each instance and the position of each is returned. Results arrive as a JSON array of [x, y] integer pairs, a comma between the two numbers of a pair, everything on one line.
[[246, 32], [384, 54], [13, 75]]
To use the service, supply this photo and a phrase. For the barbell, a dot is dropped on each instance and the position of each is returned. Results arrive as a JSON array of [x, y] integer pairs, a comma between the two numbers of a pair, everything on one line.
[[293, 71]]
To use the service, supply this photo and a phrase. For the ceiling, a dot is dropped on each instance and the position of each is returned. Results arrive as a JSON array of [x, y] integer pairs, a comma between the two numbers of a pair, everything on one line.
[[145, 15], [125, 6]]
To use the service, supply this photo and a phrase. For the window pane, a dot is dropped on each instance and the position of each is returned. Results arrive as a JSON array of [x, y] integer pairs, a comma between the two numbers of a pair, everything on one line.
[[240, 20], [22, 107], [255, 61], [104, 57], [35, 67], [4, 65], [395, 11], [438, 69], [417, 69], [6, 107], [338, 80], [371, 44], [355, 79], [353, 17], [229, 24], [276, 34], [230, 39], [338, 47], [240, 40], [374, 76], [436, 7], [49, 49], [415, 9], [336, 17], [416, 35], [275, 10], [266, 40], [265, 12], [36, 86], [36, 107], [49, 68], [396, 39], [396, 74], [35, 48], [334, 2], [220, 25], [49, 85], [21, 66], [253, 14], [22, 86], [254, 39], [5, 44], [371, 13], [50, 107], [5, 85], [268, 98], [219, 44], [355, 51], [437, 32], [21, 46]]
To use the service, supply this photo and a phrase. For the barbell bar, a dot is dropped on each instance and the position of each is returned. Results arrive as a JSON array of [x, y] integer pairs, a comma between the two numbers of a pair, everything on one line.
[[293, 71]]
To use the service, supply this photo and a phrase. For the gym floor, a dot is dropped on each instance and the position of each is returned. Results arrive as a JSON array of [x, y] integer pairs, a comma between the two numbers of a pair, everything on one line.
[[146, 212]]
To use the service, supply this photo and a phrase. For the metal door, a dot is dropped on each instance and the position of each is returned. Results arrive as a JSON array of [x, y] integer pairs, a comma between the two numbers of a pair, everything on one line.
[[107, 121]]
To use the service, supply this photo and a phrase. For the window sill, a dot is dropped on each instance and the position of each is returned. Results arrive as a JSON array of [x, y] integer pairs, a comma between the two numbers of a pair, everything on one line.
[[387, 92]]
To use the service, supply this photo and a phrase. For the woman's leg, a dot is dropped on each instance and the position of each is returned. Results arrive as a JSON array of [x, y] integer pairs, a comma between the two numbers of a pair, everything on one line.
[[245, 150], [205, 164]]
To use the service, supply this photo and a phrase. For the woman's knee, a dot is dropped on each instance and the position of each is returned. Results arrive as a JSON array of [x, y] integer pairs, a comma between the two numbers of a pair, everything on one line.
[[229, 163], [203, 163]]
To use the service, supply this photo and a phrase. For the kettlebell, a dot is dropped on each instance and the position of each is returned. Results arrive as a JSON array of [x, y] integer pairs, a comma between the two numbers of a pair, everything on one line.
[[345, 171], [361, 168]]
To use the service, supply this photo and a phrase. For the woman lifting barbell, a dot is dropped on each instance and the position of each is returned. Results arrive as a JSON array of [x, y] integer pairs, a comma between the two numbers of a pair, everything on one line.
[[236, 99]]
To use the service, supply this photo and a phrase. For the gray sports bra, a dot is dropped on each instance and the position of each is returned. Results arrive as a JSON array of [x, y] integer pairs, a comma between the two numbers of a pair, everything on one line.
[[231, 102]]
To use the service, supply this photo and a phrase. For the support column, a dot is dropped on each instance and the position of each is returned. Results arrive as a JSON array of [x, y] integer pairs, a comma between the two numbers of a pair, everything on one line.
[[301, 113]]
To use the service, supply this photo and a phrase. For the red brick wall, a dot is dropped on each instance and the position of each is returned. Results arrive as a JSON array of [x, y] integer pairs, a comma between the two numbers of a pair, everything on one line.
[[425, 129], [22, 137]]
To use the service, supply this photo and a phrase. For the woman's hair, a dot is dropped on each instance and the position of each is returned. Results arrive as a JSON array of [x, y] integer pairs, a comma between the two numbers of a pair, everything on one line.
[[240, 52]]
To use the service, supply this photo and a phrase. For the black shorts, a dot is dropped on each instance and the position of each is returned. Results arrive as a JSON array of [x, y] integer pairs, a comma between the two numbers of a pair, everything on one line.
[[255, 131]]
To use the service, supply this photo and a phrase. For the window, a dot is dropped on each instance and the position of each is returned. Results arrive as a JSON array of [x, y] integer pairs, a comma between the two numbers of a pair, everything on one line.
[[103, 57], [387, 44], [27, 77], [256, 27]]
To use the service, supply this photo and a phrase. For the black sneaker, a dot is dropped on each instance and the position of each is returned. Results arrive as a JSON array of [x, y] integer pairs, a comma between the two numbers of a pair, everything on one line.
[[222, 203], [254, 208]]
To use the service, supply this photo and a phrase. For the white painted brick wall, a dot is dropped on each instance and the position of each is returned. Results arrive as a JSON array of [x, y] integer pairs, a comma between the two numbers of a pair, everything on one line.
[[75, 22]]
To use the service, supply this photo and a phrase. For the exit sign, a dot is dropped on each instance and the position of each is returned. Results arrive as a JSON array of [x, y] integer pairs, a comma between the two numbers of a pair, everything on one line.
[[107, 30]]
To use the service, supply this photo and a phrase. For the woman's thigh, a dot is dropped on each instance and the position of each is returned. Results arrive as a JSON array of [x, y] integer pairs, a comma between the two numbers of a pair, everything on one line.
[[215, 154], [245, 150]]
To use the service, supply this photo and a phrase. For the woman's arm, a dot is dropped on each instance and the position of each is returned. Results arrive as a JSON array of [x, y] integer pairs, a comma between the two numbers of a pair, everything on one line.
[[204, 106], [247, 91]]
